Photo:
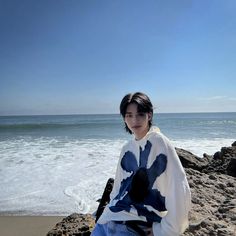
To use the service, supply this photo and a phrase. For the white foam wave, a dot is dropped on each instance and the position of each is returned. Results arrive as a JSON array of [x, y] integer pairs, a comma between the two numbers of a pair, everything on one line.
[[75, 193], [201, 146], [36, 173], [62, 176]]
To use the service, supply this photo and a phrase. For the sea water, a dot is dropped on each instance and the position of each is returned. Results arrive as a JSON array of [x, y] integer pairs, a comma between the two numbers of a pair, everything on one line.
[[57, 165]]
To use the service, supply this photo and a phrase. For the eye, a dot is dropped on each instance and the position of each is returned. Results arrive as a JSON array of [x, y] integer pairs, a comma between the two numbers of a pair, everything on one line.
[[141, 114], [128, 115]]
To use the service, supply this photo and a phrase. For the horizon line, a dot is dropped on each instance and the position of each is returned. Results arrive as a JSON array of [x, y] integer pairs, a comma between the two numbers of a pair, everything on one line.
[[74, 114]]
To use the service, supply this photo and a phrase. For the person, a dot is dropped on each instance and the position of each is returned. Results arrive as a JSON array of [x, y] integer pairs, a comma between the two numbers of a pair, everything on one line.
[[151, 195]]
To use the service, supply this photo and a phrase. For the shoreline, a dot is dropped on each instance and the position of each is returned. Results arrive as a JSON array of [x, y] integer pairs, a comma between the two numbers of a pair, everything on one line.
[[27, 225]]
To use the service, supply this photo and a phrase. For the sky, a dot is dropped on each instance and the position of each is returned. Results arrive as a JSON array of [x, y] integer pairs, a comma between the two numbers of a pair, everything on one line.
[[83, 56]]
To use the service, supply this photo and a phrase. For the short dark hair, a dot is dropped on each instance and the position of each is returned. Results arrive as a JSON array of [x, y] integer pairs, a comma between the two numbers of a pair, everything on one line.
[[143, 102]]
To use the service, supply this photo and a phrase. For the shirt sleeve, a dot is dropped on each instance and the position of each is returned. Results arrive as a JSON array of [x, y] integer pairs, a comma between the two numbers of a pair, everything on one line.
[[177, 197]]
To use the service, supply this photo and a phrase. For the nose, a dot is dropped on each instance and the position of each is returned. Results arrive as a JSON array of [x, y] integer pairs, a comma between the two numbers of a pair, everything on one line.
[[135, 119]]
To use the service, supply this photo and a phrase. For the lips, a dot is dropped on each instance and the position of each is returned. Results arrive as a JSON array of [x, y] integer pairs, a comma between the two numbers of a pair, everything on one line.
[[136, 127]]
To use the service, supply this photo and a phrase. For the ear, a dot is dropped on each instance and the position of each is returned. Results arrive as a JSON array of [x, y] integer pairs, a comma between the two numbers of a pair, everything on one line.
[[150, 116]]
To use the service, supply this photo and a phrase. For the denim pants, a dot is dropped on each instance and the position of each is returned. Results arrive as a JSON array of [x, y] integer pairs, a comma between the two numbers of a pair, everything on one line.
[[111, 228]]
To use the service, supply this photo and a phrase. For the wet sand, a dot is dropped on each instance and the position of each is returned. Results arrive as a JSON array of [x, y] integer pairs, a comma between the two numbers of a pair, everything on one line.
[[27, 225]]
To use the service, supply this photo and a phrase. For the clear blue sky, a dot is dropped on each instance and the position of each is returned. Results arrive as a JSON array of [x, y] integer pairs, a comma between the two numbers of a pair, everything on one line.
[[83, 56]]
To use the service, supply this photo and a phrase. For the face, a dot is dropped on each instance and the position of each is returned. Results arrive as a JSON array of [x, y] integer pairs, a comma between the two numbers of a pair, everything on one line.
[[137, 122]]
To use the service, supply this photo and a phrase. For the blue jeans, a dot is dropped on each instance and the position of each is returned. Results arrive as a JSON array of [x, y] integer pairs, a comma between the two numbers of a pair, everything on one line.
[[111, 228]]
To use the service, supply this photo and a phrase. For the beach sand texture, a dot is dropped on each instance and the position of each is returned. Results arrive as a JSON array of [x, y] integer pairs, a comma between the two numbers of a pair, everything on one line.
[[27, 225]]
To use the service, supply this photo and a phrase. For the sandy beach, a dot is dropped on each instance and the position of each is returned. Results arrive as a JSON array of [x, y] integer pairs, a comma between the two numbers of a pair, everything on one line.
[[27, 225]]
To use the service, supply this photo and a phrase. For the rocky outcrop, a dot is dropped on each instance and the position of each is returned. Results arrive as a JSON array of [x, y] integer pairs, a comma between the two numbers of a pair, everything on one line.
[[213, 204], [223, 162], [74, 224], [213, 187], [189, 160]]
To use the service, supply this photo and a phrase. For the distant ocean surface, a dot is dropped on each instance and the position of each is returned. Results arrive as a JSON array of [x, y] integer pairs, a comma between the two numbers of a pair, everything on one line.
[[57, 165]]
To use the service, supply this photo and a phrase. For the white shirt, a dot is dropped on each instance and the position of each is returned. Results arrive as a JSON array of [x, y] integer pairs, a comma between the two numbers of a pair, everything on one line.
[[168, 201]]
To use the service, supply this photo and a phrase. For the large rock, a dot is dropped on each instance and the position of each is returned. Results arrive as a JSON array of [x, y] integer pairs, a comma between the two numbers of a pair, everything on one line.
[[213, 209], [74, 224], [105, 198], [189, 160], [212, 182], [223, 161]]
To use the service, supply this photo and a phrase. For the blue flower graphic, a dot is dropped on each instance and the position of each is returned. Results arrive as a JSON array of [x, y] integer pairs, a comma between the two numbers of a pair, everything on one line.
[[153, 198]]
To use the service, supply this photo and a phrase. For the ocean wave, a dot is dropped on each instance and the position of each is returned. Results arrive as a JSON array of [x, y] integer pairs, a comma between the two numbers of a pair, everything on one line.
[[65, 175], [46, 126]]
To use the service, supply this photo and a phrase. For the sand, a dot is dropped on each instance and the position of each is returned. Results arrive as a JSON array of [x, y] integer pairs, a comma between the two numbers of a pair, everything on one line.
[[27, 225]]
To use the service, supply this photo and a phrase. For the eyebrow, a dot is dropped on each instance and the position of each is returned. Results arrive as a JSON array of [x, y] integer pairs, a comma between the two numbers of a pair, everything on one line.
[[130, 112]]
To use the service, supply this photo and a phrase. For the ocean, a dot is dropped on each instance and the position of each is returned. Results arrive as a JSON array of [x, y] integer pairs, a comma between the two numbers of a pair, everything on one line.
[[57, 165]]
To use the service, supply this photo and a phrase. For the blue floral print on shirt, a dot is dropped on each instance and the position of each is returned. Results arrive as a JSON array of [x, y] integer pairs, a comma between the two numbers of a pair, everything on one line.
[[154, 198]]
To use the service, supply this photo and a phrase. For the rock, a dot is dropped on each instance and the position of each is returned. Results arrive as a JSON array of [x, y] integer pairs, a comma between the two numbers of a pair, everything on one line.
[[223, 161], [105, 197], [212, 182], [189, 160], [74, 224], [231, 168], [217, 156], [213, 196]]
